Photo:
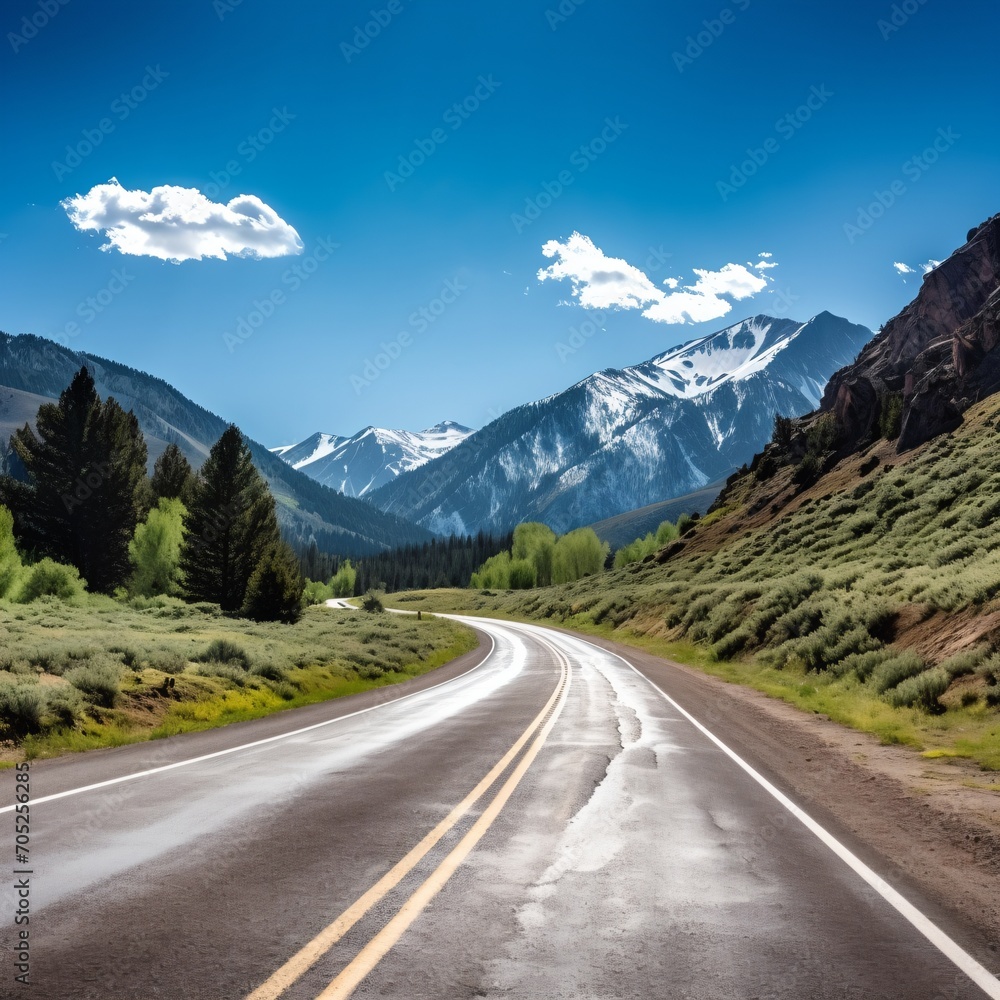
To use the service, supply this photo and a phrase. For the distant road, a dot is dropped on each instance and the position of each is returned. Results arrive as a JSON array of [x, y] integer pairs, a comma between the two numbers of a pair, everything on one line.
[[536, 820]]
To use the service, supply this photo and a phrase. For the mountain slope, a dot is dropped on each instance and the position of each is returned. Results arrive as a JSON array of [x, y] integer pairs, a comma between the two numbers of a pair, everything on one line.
[[33, 369], [622, 439], [357, 465], [938, 352]]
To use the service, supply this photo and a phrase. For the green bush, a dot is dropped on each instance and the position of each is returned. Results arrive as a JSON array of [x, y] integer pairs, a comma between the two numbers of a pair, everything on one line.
[[21, 708], [372, 603], [898, 668], [49, 578], [99, 681], [922, 691], [225, 651]]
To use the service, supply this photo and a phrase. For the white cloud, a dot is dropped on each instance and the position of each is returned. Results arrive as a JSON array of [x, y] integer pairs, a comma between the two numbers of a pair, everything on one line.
[[601, 282], [903, 268], [930, 265], [765, 265], [175, 223], [764, 253]]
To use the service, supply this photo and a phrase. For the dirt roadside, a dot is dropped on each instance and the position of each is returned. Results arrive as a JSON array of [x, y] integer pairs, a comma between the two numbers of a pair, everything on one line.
[[936, 822]]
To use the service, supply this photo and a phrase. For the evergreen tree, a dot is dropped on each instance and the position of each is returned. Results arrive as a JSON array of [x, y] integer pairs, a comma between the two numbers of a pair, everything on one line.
[[83, 492], [231, 525], [173, 478], [274, 592], [118, 495]]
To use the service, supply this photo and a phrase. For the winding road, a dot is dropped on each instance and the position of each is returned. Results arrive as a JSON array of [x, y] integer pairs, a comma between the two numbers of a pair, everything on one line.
[[544, 818]]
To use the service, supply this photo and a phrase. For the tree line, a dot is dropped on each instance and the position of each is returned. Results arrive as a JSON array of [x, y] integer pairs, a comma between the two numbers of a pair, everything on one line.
[[444, 562], [538, 558], [79, 496]]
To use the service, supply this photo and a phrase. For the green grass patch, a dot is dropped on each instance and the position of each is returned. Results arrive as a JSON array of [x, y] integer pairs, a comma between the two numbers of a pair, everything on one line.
[[98, 672]]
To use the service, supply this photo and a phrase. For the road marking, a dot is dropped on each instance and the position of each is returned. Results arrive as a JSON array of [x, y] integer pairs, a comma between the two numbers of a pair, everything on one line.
[[246, 746], [304, 959], [978, 973], [376, 949]]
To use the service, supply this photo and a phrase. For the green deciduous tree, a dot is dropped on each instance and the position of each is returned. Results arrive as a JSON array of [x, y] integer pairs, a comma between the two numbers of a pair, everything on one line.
[[578, 554], [10, 560], [342, 582], [536, 543], [155, 550]]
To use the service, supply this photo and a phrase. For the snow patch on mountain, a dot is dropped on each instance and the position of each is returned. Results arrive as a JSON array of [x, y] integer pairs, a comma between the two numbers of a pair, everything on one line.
[[371, 458]]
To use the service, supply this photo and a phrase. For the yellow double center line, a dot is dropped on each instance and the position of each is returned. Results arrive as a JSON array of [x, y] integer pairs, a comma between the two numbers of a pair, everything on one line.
[[376, 949]]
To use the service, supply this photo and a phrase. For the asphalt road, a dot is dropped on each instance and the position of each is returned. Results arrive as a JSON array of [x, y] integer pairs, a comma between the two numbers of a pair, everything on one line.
[[538, 820]]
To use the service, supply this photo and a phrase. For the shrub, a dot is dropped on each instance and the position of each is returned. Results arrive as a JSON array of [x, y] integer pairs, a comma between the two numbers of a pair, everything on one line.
[[685, 523], [922, 691], [21, 707], [807, 471], [167, 661], [268, 671], [890, 420], [98, 681], [49, 578], [372, 603], [225, 651], [896, 669]]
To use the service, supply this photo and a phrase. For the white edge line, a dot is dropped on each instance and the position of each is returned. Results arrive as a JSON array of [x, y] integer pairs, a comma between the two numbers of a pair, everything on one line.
[[248, 746], [978, 973]]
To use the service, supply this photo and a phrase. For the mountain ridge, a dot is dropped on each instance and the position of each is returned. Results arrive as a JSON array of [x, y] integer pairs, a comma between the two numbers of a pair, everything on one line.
[[624, 438], [374, 456], [35, 367]]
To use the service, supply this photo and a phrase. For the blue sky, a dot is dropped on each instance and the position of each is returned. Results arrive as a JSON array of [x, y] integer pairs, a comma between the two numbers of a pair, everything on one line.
[[404, 170]]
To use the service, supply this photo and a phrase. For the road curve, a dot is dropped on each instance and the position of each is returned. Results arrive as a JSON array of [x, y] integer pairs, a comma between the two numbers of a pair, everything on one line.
[[544, 822]]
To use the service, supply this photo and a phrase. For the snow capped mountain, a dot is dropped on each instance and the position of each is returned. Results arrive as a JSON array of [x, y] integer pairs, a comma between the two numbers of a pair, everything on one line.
[[624, 438], [371, 458]]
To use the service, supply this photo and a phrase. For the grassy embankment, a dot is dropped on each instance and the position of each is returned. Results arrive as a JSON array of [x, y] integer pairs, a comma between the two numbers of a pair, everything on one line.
[[870, 597], [93, 672]]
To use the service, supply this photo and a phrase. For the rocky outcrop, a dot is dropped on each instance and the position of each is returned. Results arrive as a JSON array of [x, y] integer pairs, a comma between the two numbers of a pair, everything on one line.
[[938, 352]]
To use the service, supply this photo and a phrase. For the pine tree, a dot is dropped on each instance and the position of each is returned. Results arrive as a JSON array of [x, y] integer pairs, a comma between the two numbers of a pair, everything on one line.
[[173, 478], [274, 593], [231, 525], [116, 460], [83, 495]]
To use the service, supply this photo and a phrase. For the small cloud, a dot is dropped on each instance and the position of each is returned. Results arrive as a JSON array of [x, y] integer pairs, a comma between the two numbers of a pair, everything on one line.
[[764, 265], [601, 282], [929, 266], [764, 253], [903, 268], [175, 223]]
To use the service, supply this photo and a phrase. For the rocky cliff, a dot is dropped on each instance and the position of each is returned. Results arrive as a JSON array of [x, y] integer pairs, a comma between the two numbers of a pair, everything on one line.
[[938, 353]]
